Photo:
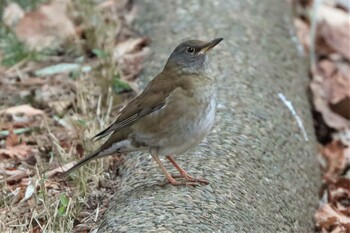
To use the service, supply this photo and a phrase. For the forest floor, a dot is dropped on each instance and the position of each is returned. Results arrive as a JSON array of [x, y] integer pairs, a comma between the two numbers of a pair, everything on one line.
[[68, 67], [323, 28]]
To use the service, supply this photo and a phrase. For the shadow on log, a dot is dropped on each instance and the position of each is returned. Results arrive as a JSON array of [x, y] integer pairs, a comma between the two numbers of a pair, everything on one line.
[[263, 172]]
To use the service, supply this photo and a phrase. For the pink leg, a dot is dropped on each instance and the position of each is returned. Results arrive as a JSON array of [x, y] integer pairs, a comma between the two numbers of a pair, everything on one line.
[[170, 179], [184, 174]]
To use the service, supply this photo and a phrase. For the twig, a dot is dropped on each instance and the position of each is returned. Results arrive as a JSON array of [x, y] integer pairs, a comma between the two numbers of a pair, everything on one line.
[[295, 115], [313, 17]]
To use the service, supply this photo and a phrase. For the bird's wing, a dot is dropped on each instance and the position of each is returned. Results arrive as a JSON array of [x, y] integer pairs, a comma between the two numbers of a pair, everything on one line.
[[150, 100]]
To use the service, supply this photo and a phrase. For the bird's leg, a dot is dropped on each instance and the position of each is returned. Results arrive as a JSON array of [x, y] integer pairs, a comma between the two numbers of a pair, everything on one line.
[[184, 174], [170, 179]]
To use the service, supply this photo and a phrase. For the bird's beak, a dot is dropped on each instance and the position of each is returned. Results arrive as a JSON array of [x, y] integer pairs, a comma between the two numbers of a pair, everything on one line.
[[210, 45]]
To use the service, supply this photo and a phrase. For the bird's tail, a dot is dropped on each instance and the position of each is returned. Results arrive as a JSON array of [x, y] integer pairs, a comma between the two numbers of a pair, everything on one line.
[[92, 156], [104, 150]]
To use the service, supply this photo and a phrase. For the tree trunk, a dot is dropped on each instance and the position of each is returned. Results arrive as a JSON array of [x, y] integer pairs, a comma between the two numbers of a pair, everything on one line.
[[262, 170]]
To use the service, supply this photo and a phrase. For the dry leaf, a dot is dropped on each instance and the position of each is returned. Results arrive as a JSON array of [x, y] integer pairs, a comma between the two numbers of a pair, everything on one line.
[[339, 195], [342, 108], [22, 113], [343, 136], [15, 150], [46, 27], [337, 37], [337, 158], [332, 119], [14, 174], [129, 46], [9, 171], [336, 82], [11, 139], [330, 88], [130, 54], [333, 16], [303, 33], [335, 214], [12, 14], [20, 152], [119, 4], [327, 217]]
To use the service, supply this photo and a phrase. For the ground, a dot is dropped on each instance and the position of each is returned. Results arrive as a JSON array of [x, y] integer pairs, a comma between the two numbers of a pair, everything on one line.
[[61, 82], [66, 78]]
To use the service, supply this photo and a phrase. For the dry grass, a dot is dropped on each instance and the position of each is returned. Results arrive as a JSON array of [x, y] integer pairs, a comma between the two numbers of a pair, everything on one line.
[[59, 205]]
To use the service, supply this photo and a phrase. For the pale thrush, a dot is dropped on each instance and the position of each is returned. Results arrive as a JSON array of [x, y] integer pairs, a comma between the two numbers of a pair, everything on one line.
[[172, 115]]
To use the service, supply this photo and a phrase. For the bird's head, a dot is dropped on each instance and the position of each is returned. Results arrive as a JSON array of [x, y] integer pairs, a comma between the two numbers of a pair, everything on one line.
[[191, 56]]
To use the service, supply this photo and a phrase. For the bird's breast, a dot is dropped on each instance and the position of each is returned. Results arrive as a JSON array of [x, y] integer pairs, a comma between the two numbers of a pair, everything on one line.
[[182, 123]]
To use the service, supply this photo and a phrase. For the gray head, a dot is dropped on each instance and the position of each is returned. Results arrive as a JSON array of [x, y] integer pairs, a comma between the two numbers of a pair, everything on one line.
[[191, 56]]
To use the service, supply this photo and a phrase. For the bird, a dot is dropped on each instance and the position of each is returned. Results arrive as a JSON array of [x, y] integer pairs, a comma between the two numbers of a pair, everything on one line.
[[173, 114]]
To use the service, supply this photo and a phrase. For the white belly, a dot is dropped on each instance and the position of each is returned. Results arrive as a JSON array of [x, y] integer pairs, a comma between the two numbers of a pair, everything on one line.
[[193, 134], [185, 134], [180, 125]]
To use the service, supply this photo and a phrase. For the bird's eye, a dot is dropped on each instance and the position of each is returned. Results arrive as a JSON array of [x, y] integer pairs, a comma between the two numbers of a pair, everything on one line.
[[190, 50]]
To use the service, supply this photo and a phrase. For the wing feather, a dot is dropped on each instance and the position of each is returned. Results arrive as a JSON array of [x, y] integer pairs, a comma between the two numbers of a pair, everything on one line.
[[150, 100]]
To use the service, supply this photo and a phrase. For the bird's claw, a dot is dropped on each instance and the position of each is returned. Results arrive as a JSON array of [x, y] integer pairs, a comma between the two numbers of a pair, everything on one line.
[[189, 180]]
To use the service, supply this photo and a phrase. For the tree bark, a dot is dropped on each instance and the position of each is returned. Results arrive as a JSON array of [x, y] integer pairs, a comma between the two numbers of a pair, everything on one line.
[[263, 173]]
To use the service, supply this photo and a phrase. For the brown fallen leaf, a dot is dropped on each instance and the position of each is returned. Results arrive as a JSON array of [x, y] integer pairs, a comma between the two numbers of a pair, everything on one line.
[[336, 37], [332, 15], [15, 148], [337, 80], [343, 137], [130, 54], [22, 109], [131, 45], [339, 195], [11, 139], [303, 33], [46, 27], [20, 152], [10, 171], [338, 157], [321, 46], [342, 108], [22, 113], [332, 119], [12, 14], [11, 175], [331, 85], [329, 218], [119, 5]]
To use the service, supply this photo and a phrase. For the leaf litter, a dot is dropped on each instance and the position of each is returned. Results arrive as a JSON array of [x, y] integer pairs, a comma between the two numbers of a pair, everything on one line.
[[329, 46], [53, 99]]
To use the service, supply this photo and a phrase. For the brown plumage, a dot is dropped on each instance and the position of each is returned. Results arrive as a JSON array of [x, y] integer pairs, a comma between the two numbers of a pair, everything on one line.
[[173, 114]]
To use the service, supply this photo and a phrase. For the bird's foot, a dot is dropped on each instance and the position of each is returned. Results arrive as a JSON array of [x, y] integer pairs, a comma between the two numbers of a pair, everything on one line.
[[174, 182], [190, 179]]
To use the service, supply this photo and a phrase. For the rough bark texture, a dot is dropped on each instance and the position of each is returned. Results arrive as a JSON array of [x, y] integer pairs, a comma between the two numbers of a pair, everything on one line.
[[263, 174]]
